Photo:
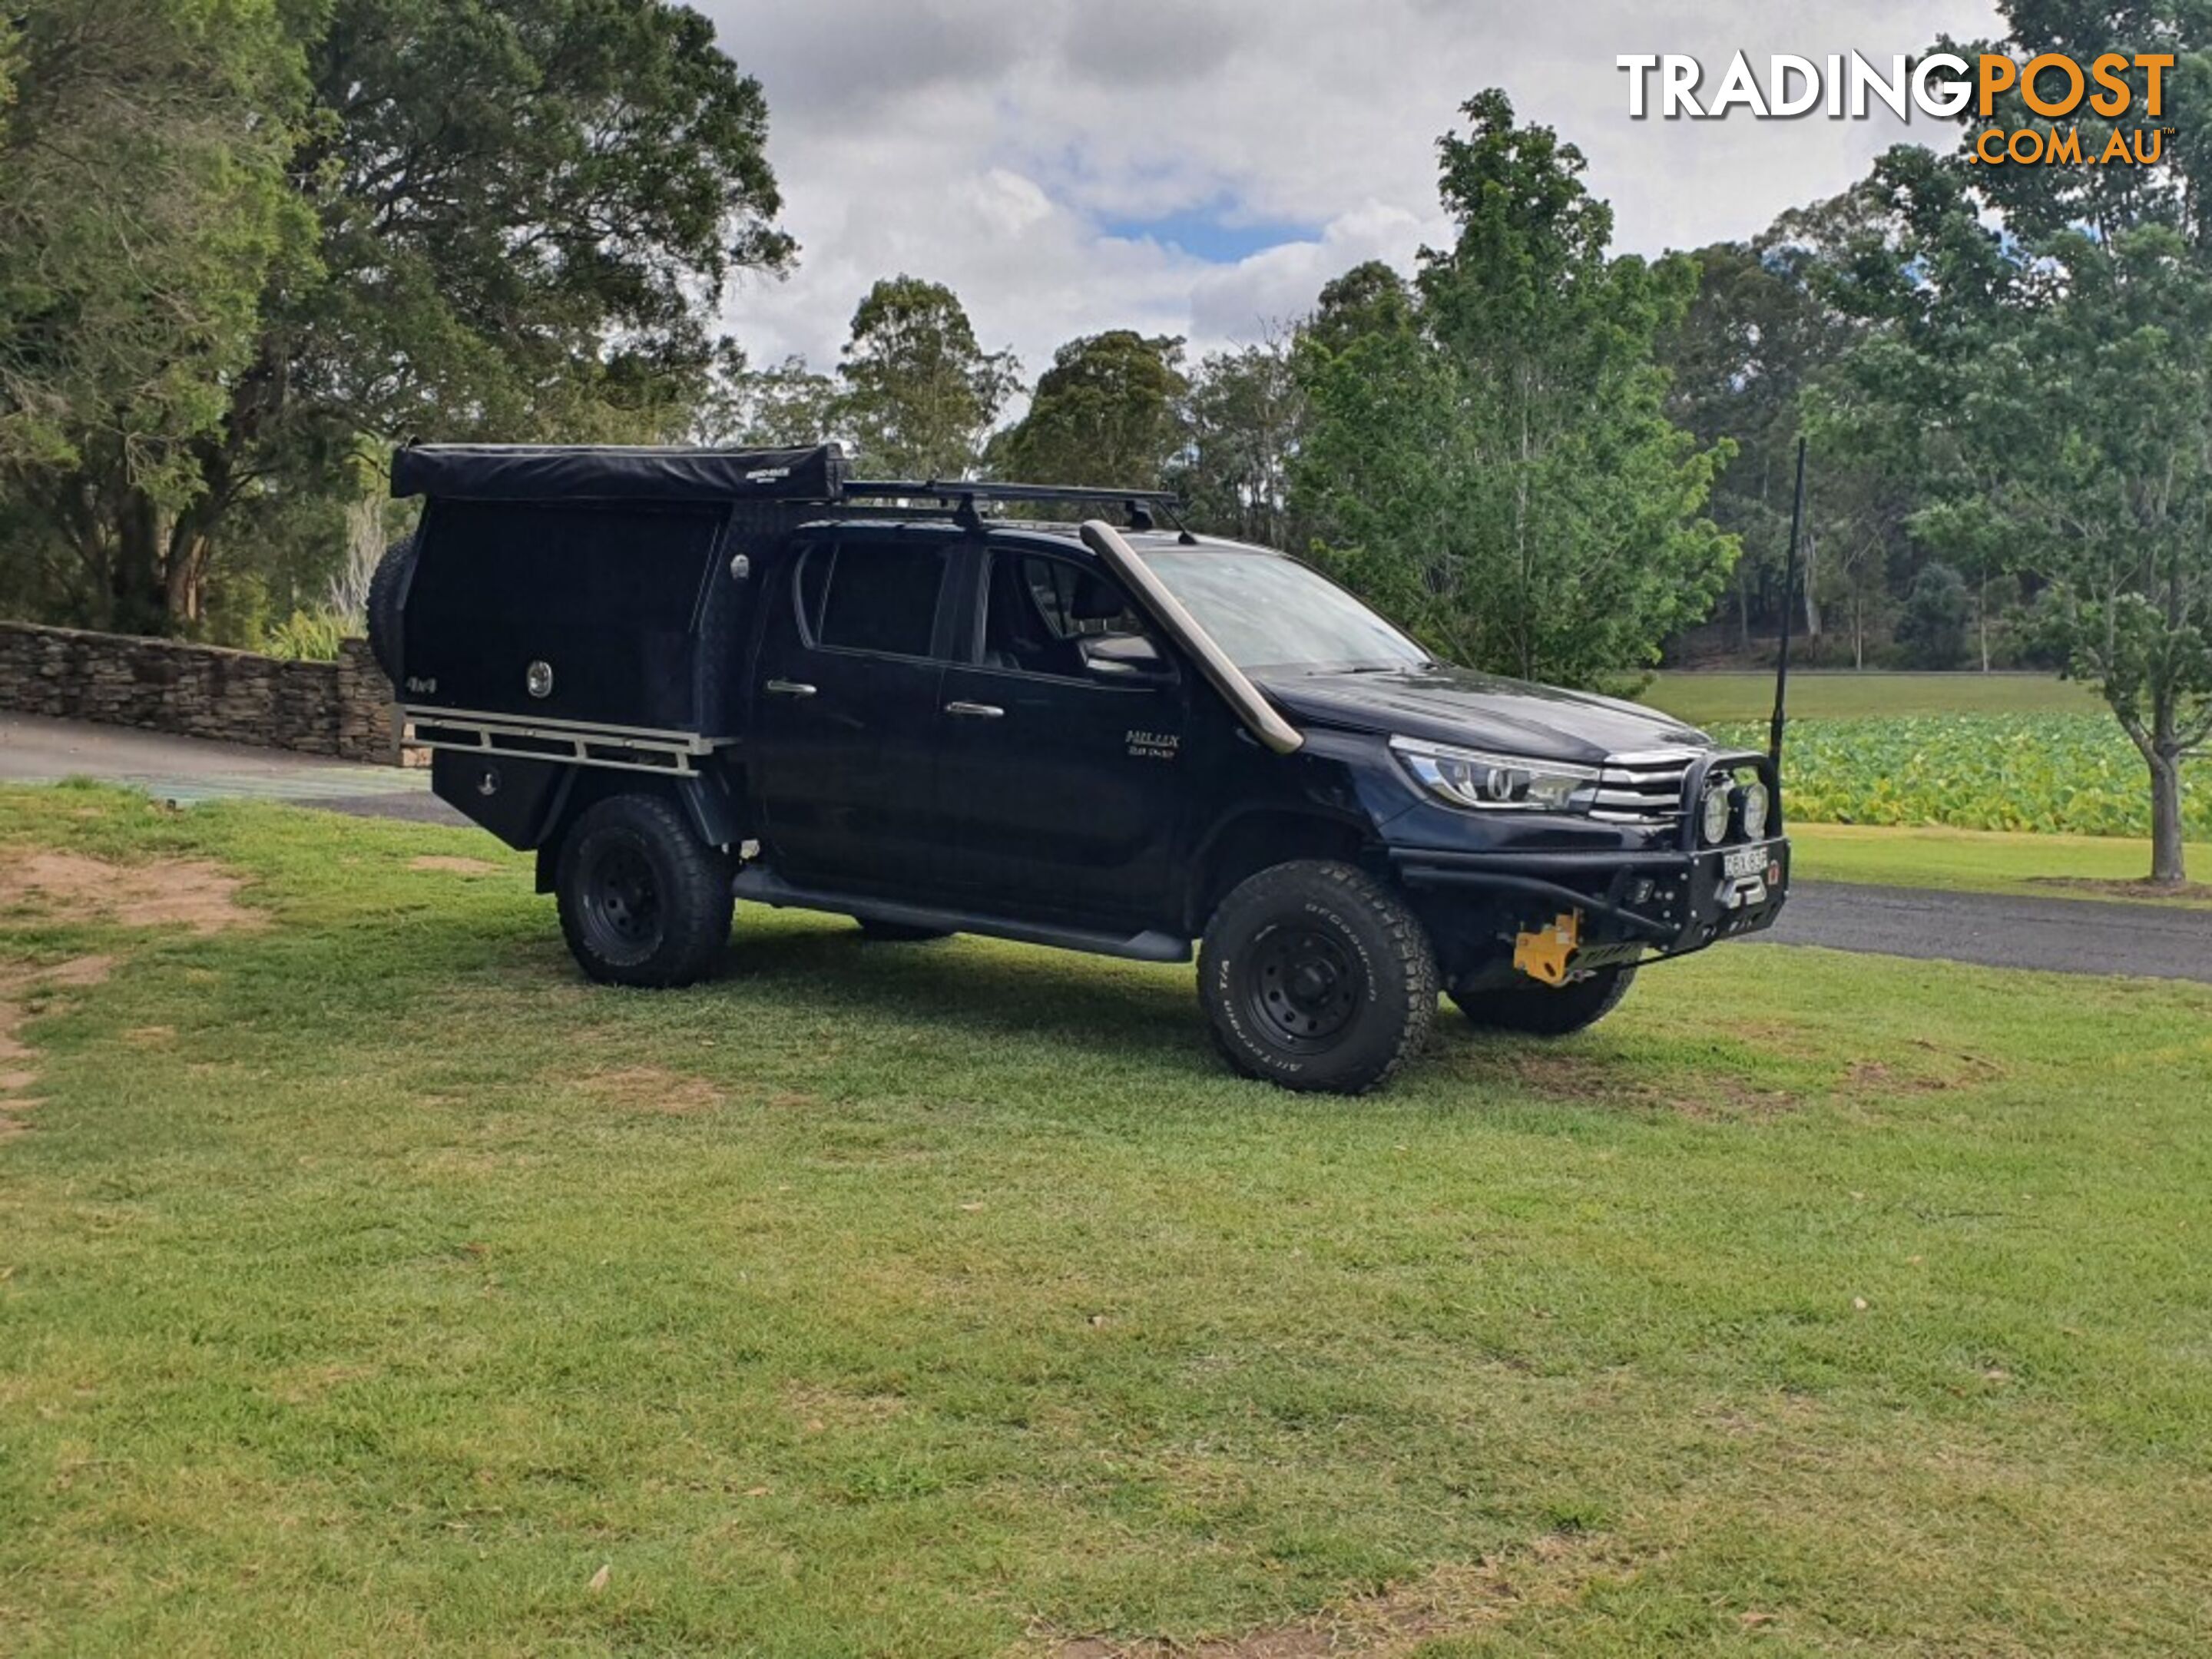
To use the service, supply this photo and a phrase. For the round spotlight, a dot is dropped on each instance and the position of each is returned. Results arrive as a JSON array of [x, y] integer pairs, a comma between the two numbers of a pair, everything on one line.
[[537, 679], [1715, 820], [1756, 806]]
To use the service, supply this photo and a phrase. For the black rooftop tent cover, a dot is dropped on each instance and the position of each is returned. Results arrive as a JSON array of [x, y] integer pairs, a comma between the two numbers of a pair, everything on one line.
[[536, 473]]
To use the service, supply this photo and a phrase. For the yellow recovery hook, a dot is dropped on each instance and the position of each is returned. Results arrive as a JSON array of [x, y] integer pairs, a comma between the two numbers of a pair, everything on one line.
[[1544, 955]]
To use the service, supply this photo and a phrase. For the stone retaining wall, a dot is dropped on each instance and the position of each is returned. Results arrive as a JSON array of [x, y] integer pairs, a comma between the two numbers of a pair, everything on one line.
[[342, 708]]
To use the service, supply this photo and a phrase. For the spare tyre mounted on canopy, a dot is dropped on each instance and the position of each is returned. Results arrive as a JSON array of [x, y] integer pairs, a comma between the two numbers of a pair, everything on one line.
[[687, 677]]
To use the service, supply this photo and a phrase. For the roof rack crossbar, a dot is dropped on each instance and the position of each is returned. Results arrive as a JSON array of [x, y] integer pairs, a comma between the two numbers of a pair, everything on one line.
[[984, 490]]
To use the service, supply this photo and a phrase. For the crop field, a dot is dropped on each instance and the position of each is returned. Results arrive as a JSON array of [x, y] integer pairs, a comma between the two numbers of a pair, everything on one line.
[[1724, 698], [370, 1284], [2048, 773], [2018, 752]]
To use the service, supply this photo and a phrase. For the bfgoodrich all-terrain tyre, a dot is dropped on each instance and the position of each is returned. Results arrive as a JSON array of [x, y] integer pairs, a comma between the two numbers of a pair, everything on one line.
[[1316, 975], [643, 901], [386, 587], [1545, 1011]]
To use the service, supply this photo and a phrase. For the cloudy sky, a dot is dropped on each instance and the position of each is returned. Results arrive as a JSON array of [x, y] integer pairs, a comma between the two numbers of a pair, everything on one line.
[[1201, 166]]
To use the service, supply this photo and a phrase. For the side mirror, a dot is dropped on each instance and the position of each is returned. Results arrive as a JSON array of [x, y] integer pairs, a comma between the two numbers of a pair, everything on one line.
[[1130, 659]]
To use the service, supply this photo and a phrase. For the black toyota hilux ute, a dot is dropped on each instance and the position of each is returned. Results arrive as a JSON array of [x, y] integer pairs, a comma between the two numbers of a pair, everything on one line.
[[685, 678]]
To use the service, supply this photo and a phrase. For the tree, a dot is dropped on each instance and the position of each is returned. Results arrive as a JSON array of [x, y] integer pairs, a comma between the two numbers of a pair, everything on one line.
[[781, 407], [142, 208], [1107, 413], [916, 391], [1380, 472], [1933, 626], [11, 53], [2116, 496], [522, 213], [1757, 333], [2042, 337], [1243, 419], [1517, 491]]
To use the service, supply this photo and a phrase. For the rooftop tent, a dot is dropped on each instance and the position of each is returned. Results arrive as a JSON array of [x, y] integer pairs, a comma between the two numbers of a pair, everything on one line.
[[548, 472]]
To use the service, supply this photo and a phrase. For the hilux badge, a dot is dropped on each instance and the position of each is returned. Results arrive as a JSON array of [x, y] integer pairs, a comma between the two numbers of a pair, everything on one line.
[[1155, 746]]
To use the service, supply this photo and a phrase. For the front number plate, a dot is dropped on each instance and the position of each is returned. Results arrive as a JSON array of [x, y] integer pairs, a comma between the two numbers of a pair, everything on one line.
[[1744, 861]]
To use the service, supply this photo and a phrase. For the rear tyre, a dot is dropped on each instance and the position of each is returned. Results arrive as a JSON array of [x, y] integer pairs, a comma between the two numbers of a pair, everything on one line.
[[1317, 976], [386, 588], [643, 901], [1544, 1010], [898, 932]]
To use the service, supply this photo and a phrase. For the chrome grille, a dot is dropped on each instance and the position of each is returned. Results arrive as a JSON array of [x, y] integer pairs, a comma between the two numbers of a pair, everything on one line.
[[1645, 787]]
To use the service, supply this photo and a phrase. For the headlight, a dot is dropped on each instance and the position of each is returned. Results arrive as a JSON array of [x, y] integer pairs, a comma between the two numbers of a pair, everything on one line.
[[1755, 808], [1467, 777], [1715, 821]]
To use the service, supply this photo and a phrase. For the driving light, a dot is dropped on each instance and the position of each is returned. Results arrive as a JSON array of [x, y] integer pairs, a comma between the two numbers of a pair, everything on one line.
[[1756, 806], [1467, 777], [1715, 821]]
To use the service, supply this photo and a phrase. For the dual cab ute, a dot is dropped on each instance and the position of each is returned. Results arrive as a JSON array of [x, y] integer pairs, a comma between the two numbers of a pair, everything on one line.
[[685, 678]]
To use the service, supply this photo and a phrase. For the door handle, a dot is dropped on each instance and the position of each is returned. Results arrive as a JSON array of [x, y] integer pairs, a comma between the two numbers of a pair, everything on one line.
[[975, 711], [788, 688]]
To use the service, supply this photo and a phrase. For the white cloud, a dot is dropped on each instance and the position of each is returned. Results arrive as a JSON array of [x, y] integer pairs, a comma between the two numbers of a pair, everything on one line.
[[988, 145]]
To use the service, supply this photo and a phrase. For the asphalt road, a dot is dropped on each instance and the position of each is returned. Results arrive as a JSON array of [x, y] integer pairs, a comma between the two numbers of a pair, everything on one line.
[[2063, 935], [35, 750]]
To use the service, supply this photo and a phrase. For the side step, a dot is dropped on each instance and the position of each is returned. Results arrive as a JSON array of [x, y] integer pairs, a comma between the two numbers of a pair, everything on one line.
[[761, 886]]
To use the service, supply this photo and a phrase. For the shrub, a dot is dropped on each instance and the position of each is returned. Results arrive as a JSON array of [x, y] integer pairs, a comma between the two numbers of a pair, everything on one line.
[[306, 636], [1932, 628]]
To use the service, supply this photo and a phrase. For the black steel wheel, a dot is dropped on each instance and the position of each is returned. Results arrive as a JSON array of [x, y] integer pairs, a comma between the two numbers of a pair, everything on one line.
[[1316, 975], [1536, 1010], [1302, 985], [643, 901]]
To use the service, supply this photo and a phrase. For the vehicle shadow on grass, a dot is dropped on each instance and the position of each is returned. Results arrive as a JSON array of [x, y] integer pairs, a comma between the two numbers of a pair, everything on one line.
[[1111, 1009], [1058, 1006]]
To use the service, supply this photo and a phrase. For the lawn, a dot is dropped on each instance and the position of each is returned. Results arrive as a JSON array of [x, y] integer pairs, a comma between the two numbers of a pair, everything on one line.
[[1721, 699], [1988, 861], [367, 1283]]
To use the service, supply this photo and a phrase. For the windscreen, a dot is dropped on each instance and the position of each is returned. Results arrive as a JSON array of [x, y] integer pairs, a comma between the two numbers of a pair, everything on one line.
[[1268, 611]]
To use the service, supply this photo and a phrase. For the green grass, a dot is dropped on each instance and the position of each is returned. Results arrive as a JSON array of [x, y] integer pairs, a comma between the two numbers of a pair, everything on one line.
[[368, 1284], [1979, 861], [1720, 699]]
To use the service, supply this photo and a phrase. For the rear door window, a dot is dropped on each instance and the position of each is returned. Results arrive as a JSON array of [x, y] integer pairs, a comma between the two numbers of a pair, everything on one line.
[[875, 596]]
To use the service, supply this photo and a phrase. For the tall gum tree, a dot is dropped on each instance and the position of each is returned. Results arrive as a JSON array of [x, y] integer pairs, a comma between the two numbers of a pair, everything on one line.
[[1109, 411], [916, 391]]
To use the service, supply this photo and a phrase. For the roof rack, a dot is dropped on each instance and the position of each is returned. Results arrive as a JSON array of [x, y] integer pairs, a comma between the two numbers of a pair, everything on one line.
[[964, 493], [988, 489]]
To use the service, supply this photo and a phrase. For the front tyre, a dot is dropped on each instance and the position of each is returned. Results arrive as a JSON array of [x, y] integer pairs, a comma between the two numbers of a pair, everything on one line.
[[1317, 976], [643, 901], [1544, 1010]]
